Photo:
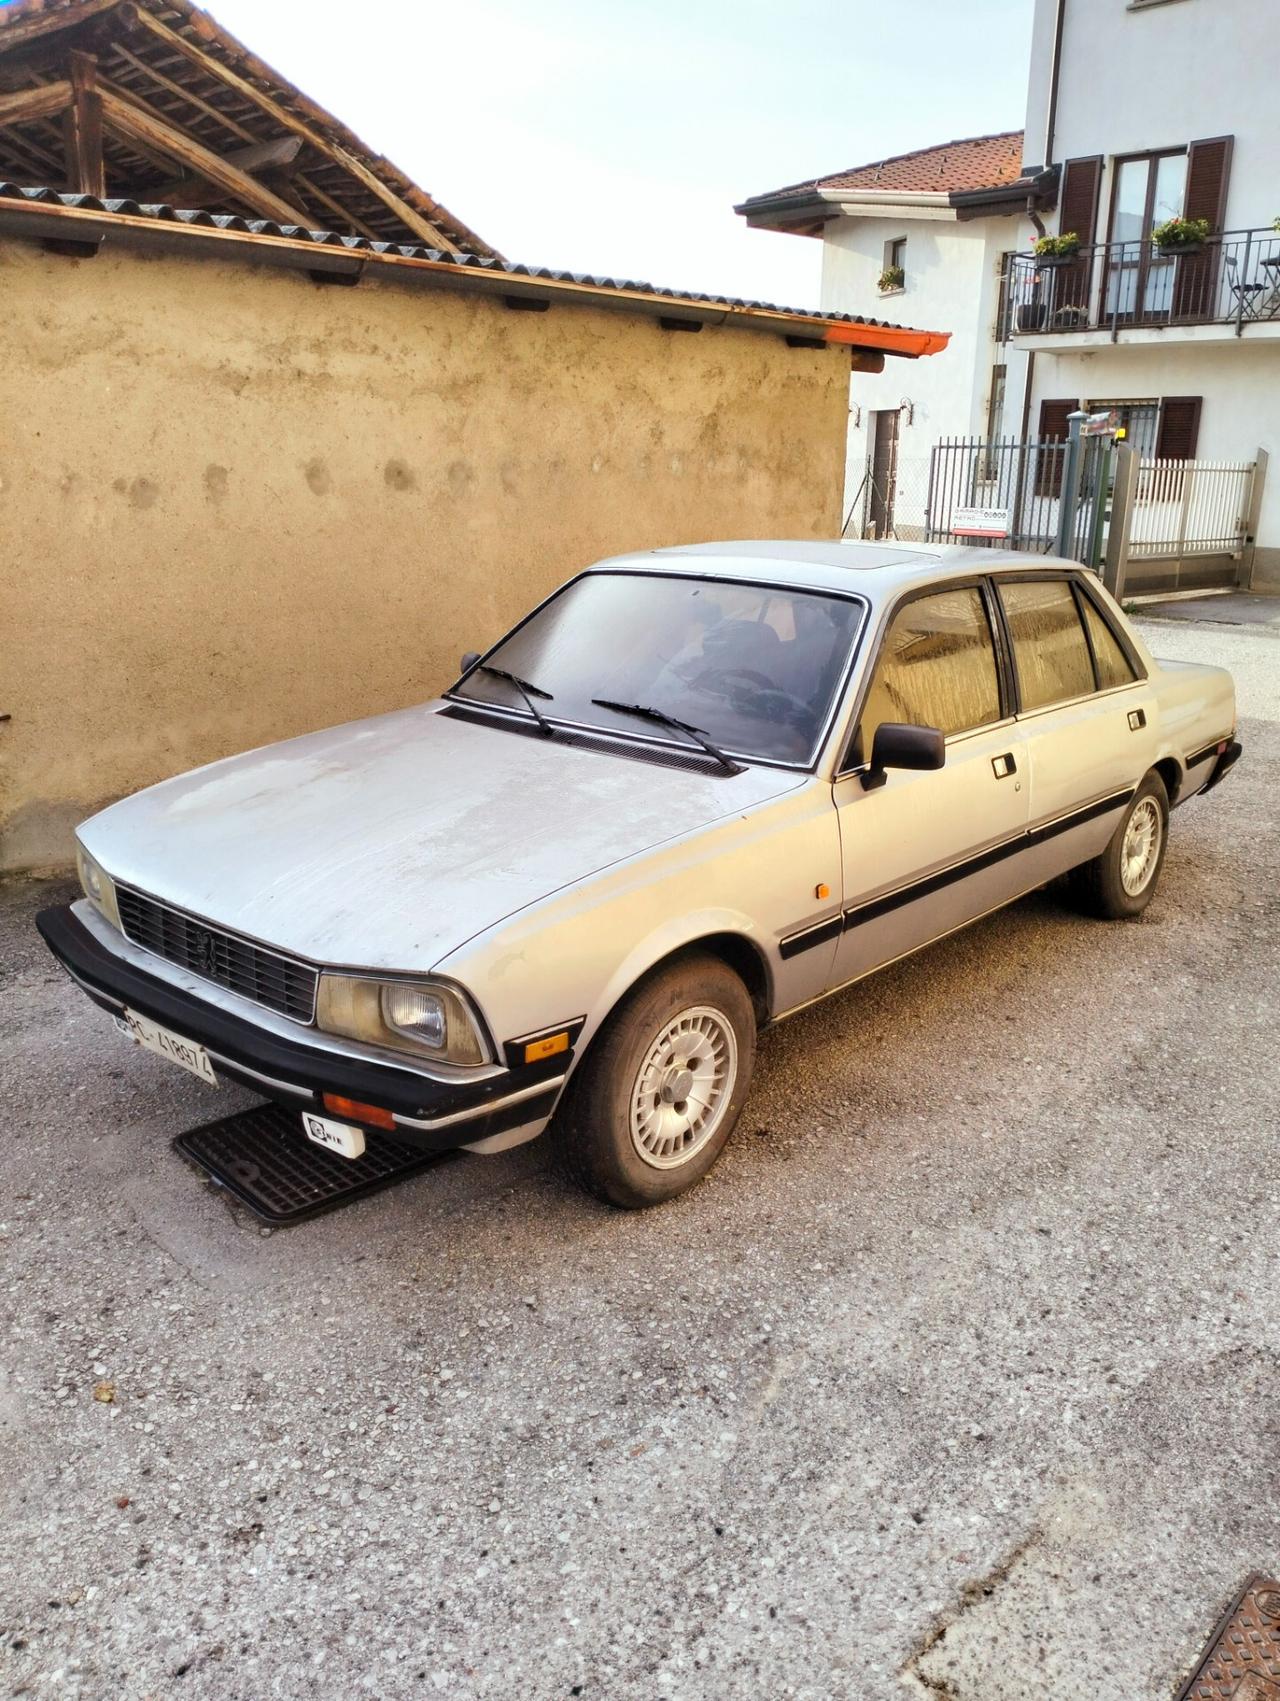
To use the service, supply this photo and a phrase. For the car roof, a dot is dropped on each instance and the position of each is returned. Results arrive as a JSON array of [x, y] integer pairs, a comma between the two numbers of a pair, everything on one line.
[[877, 571]]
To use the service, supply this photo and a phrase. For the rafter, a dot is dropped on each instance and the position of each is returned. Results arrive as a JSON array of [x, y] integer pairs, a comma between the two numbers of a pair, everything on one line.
[[142, 126], [251, 159], [139, 19], [42, 102]]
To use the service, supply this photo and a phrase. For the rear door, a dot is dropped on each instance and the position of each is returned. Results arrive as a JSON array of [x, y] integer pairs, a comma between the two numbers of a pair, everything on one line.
[[1085, 712], [925, 852]]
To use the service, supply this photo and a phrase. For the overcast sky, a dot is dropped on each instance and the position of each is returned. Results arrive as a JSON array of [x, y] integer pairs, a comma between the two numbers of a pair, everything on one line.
[[617, 138]]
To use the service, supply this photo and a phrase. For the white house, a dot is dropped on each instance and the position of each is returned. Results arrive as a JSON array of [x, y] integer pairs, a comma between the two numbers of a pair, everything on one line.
[[1138, 112], [1159, 109], [923, 236]]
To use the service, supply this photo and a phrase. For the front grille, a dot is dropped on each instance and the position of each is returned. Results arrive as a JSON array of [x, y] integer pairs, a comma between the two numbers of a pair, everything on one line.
[[280, 983]]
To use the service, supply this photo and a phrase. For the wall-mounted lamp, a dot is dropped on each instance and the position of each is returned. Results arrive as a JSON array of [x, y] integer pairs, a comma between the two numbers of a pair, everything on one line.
[[907, 406], [856, 416]]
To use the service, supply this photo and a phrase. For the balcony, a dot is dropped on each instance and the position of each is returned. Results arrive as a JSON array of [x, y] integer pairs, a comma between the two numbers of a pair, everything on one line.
[[1117, 289]]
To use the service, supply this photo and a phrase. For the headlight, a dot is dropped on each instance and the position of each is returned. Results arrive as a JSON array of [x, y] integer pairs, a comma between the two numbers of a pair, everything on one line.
[[97, 885], [403, 1014]]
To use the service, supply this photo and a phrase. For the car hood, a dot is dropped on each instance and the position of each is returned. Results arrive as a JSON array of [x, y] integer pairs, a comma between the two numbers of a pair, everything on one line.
[[388, 843]]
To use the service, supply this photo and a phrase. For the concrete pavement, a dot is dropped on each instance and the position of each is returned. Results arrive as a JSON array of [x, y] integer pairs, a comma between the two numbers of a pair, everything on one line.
[[959, 1376]]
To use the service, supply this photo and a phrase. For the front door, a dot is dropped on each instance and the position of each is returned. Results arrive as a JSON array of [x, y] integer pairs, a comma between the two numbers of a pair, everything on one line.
[[884, 471], [926, 852]]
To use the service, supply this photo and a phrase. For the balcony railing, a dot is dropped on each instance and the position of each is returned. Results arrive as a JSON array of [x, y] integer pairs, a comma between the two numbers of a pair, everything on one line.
[[1234, 279]]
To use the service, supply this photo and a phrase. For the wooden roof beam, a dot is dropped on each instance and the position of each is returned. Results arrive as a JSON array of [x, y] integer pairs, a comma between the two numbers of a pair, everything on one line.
[[253, 159], [86, 170], [42, 102], [144, 127], [139, 20]]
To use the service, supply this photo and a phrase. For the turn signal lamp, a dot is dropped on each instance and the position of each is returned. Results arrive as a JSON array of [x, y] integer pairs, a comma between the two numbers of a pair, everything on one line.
[[357, 1111], [548, 1046]]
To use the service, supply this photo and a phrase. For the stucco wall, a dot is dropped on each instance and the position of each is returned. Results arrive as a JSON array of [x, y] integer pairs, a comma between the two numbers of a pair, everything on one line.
[[236, 505]]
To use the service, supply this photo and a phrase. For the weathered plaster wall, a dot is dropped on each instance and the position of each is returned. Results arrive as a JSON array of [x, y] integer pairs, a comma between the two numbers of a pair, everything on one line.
[[236, 505]]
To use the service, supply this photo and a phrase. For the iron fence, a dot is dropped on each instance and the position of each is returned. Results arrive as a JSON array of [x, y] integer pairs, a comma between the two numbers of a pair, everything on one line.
[[1183, 508], [1232, 279], [1007, 493]]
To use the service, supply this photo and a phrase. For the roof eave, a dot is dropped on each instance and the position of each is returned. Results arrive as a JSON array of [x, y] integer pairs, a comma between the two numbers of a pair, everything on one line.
[[1038, 189], [163, 229]]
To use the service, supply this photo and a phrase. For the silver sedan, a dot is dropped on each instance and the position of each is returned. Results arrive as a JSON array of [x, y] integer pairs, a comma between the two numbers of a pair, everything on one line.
[[693, 791]]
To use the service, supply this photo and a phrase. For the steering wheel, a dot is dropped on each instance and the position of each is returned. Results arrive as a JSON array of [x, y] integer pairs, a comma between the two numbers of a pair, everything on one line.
[[765, 698], [709, 676]]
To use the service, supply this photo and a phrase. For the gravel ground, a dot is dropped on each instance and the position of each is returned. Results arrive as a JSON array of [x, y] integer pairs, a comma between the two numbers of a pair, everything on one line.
[[957, 1378]]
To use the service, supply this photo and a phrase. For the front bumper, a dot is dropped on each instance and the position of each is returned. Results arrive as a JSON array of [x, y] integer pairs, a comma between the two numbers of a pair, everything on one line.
[[434, 1114]]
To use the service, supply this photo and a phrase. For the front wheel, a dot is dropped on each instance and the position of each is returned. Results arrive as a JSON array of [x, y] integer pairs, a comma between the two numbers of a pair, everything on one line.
[[657, 1096], [1118, 885]]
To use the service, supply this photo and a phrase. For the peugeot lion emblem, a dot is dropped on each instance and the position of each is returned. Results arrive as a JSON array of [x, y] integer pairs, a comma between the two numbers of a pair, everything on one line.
[[204, 950]]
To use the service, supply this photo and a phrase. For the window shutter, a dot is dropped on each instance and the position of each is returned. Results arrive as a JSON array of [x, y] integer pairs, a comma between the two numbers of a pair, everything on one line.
[[1078, 211], [1179, 428], [1208, 170], [1054, 429], [1078, 202]]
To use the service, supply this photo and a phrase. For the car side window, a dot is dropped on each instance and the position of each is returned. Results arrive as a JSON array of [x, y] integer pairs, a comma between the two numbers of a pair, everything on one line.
[[1114, 667], [1049, 645], [937, 667]]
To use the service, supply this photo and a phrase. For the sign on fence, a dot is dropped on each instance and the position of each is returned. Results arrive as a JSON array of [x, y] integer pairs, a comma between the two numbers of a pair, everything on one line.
[[980, 522]]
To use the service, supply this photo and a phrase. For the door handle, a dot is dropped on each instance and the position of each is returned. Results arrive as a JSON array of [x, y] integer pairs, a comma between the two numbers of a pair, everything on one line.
[[1003, 766], [1137, 719]]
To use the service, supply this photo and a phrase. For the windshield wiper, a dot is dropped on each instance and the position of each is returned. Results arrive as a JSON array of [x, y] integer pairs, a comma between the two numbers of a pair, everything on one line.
[[527, 691], [664, 719]]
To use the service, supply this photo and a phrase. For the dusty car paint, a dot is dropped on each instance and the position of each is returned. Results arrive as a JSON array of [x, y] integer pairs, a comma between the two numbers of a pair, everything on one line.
[[544, 879]]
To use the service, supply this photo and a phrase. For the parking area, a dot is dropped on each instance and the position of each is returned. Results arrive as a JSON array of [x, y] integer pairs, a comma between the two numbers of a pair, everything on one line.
[[958, 1377]]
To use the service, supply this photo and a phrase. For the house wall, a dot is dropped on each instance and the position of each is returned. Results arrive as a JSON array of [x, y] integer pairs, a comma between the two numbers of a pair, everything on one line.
[[953, 280], [1135, 79], [236, 505], [1240, 412]]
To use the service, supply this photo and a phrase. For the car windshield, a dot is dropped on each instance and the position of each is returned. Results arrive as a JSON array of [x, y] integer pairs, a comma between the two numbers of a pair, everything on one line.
[[753, 667]]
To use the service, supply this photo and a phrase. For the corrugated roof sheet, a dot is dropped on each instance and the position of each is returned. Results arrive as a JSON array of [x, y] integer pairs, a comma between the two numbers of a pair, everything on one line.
[[360, 245]]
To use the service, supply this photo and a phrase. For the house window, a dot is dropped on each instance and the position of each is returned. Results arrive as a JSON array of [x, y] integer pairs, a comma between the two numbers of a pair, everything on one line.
[[995, 421], [894, 272], [1140, 421]]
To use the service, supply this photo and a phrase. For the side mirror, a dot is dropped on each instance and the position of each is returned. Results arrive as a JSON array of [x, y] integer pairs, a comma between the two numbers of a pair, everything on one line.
[[469, 660], [899, 746]]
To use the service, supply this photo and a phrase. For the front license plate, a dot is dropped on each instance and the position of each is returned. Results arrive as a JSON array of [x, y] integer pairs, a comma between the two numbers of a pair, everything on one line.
[[152, 1037], [337, 1136]]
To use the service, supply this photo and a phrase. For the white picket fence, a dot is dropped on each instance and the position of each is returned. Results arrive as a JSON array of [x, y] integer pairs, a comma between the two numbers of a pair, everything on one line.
[[1184, 508]]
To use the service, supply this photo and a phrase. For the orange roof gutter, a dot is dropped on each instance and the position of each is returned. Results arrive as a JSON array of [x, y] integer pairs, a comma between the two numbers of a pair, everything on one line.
[[92, 224]]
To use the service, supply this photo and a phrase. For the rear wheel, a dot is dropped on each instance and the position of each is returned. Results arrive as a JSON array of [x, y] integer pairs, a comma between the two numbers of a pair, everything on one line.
[[1118, 885], [657, 1096]]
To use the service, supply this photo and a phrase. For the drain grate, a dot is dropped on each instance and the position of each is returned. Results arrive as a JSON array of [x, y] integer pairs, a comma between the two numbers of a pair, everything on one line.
[[264, 1158], [1242, 1660]]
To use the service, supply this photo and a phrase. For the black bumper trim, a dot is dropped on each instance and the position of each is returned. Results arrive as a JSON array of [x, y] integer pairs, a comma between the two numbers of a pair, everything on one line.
[[1223, 766], [282, 1068]]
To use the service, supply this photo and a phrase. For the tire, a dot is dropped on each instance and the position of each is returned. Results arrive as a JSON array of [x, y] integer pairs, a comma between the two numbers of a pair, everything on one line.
[[688, 1021], [1118, 885]]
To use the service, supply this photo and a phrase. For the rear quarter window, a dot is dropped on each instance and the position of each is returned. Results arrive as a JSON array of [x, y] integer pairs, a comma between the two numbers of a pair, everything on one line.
[[1050, 649], [1114, 667]]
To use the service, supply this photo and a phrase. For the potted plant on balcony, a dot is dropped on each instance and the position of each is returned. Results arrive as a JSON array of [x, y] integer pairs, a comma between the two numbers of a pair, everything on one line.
[[1053, 251], [1180, 236], [892, 279]]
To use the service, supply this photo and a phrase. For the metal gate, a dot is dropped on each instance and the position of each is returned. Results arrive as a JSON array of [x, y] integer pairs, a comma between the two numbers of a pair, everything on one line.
[[1049, 497]]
